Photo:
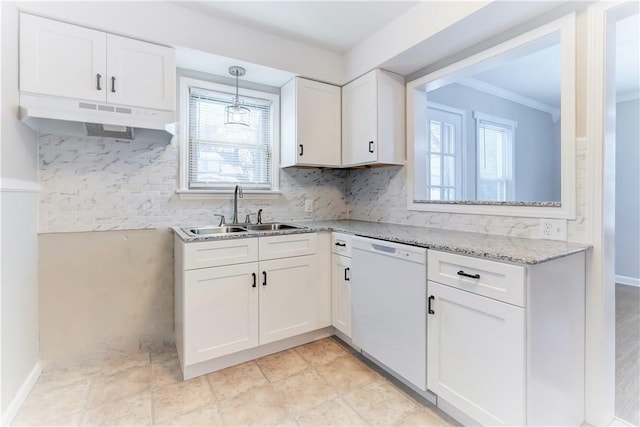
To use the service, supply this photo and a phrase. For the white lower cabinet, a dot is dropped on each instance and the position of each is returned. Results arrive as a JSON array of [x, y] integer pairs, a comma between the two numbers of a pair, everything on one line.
[[249, 302], [220, 311], [505, 342], [287, 298], [476, 353], [341, 293]]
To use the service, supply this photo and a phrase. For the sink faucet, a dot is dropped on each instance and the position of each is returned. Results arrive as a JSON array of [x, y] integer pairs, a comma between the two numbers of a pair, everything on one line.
[[236, 193]]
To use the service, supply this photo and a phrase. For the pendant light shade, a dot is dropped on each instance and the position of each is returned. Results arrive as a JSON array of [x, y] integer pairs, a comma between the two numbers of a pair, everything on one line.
[[237, 113]]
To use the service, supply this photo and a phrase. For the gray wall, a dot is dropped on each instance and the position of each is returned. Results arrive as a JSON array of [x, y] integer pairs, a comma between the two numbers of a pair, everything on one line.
[[628, 189], [537, 142]]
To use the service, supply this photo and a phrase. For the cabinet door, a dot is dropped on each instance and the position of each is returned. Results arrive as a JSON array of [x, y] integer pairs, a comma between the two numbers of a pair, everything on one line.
[[360, 120], [341, 294], [140, 74], [61, 59], [476, 355], [318, 123], [287, 298], [220, 311]]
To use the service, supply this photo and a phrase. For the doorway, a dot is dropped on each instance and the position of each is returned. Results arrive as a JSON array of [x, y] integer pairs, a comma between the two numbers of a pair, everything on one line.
[[627, 218]]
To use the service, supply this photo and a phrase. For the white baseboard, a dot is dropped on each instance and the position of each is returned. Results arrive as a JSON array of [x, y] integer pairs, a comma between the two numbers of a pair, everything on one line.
[[626, 280], [16, 403]]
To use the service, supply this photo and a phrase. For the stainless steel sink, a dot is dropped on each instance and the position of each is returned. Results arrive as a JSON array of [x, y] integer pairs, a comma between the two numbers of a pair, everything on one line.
[[271, 227], [213, 230]]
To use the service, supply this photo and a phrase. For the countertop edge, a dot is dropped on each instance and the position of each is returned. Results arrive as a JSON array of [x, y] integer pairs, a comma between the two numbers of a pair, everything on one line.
[[310, 227]]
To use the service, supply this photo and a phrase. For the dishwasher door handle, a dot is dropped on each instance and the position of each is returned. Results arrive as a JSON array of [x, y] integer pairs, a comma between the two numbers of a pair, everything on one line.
[[382, 248]]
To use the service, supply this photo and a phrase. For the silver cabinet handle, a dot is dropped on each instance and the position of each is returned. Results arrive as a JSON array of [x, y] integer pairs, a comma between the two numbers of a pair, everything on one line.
[[113, 84], [98, 77]]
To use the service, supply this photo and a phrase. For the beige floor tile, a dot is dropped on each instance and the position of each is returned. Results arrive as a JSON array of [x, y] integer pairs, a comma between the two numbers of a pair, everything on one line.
[[380, 403], [62, 420], [282, 365], [53, 379], [347, 373], [424, 417], [54, 407], [320, 352], [130, 411], [303, 391], [177, 399], [258, 406], [119, 385], [235, 380], [335, 412], [207, 416], [123, 362], [166, 372]]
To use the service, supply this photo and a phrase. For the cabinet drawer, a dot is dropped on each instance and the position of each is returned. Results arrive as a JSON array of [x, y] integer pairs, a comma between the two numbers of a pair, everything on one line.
[[220, 252], [341, 244], [500, 281], [287, 246]]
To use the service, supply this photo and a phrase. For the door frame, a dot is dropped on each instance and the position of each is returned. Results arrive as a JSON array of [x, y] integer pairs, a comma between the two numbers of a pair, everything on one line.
[[600, 218]]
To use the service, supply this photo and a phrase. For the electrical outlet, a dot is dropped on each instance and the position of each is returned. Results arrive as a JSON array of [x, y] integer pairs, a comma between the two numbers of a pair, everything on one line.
[[308, 205], [554, 229]]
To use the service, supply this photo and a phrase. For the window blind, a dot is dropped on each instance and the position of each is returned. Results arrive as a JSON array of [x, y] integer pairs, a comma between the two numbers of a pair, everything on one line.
[[222, 156]]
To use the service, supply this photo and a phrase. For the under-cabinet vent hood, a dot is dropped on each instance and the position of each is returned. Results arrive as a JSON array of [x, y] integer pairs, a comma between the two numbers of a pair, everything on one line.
[[69, 117]]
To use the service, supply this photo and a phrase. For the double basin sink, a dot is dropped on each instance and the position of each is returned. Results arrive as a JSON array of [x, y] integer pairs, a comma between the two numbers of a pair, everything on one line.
[[241, 228]]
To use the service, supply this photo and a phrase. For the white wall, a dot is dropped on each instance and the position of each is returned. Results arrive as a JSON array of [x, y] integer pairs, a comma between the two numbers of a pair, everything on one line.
[[628, 191], [18, 207]]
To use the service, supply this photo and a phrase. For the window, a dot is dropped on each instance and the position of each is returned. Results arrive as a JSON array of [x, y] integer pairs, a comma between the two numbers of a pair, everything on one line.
[[216, 157], [444, 152], [494, 151]]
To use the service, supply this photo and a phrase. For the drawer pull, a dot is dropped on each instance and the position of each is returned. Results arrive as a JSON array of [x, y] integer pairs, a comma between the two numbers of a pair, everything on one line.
[[254, 280], [431, 298], [341, 244], [472, 276]]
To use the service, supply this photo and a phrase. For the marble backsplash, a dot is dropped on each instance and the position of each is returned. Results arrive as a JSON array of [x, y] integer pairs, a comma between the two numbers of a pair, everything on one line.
[[93, 185]]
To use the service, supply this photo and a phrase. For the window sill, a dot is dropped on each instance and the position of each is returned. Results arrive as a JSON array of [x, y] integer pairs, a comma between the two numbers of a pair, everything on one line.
[[186, 194]]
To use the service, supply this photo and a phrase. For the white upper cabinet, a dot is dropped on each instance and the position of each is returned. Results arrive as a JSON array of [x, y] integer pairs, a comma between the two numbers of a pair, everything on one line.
[[140, 73], [311, 131], [62, 60], [66, 60], [373, 120]]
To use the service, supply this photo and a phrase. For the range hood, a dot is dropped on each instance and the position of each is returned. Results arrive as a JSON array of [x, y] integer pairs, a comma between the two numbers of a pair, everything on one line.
[[69, 117]]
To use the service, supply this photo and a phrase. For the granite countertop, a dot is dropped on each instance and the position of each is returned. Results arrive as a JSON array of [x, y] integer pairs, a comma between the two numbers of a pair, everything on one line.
[[503, 248]]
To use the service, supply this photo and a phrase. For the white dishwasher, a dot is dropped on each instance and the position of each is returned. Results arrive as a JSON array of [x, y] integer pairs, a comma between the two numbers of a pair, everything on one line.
[[389, 306]]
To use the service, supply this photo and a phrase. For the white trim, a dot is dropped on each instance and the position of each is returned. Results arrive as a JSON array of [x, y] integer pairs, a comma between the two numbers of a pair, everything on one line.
[[600, 212], [226, 194], [184, 84], [19, 186], [416, 103], [629, 281], [16, 403], [629, 96], [554, 112]]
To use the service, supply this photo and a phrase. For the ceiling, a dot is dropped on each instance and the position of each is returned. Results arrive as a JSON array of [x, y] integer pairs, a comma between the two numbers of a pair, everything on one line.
[[336, 26]]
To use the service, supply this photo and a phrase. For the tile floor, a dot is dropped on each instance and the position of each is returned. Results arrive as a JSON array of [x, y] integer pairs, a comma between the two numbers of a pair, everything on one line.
[[318, 384]]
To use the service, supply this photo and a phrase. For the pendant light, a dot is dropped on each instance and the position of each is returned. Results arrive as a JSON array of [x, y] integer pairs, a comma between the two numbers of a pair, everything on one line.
[[237, 113]]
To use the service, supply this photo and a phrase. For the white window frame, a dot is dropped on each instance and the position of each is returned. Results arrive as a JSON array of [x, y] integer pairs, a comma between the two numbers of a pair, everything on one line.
[[461, 151], [509, 125], [183, 188], [416, 100]]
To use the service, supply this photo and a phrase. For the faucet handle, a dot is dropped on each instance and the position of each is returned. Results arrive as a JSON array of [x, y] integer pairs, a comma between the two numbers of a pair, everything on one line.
[[223, 221], [247, 219], [259, 221]]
